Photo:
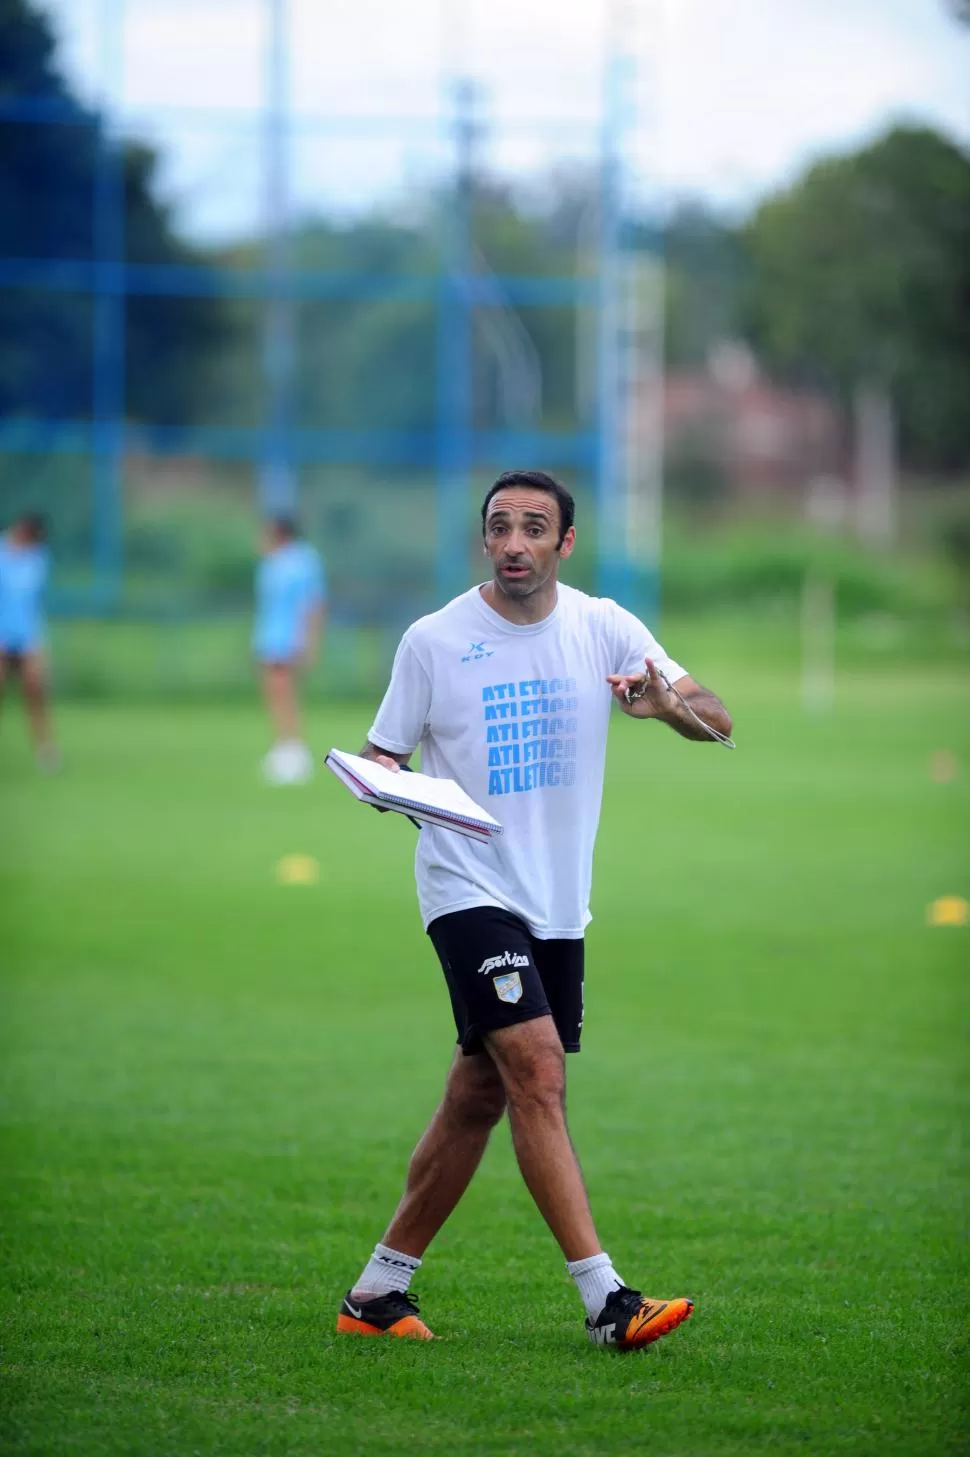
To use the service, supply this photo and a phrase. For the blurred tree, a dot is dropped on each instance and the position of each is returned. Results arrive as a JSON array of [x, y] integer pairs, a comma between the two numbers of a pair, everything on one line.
[[531, 241], [703, 278], [367, 363], [47, 184], [860, 274]]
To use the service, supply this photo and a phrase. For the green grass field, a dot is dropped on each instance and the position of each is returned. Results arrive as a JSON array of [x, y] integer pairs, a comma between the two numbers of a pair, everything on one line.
[[212, 1082]]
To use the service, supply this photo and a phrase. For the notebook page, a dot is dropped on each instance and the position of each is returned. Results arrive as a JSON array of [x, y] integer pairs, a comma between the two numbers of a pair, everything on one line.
[[418, 789]]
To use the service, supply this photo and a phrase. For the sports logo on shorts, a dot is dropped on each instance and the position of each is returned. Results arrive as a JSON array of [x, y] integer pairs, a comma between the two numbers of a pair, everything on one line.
[[509, 987], [507, 958]]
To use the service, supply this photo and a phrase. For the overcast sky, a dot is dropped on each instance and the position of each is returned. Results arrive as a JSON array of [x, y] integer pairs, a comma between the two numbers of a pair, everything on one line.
[[732, 97]]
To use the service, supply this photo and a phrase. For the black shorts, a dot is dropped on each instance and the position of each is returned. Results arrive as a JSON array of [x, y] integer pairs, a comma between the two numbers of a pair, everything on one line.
[[498, 974]]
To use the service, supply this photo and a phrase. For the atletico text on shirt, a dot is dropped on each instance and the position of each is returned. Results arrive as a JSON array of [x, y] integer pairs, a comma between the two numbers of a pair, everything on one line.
[[517, 714]]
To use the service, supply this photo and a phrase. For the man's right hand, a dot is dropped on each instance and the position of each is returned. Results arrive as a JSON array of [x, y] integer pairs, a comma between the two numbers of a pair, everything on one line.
[[388, 763]]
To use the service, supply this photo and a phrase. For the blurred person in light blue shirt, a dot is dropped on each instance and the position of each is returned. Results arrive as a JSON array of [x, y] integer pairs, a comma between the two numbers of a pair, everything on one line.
[[290, 612], [24, 569]]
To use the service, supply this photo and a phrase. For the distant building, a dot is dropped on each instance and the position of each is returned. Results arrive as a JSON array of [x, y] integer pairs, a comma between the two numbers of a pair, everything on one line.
[[763, 440]]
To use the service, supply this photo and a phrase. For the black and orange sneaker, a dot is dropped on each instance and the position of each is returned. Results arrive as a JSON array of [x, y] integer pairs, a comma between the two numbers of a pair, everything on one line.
[[394, 1314], [629, 1320]]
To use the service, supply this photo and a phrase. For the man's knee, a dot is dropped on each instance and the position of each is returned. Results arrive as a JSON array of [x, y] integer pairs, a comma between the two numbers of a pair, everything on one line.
[[474, 1094], [533, 1064]]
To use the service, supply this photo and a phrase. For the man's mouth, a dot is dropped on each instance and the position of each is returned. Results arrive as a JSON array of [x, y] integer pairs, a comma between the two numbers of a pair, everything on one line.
[[515, 570]]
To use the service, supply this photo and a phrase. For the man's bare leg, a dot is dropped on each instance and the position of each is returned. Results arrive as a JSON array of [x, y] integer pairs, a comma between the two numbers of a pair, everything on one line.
[[531, 1062], [447, 1156], [526, 1068]]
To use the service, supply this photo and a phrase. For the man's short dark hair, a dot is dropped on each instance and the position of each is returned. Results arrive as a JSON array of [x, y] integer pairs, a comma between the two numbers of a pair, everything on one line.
[[536, 480]]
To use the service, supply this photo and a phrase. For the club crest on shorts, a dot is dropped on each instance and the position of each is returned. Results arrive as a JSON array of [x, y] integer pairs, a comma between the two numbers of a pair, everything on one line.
[[509, 987]]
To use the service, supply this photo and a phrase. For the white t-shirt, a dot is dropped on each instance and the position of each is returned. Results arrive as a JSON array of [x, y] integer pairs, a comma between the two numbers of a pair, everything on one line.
[[518, 715]]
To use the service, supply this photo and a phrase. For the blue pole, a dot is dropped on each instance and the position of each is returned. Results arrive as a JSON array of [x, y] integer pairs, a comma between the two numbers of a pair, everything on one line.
[[611, 552], [277, 482], [454, 363], [108, 371]]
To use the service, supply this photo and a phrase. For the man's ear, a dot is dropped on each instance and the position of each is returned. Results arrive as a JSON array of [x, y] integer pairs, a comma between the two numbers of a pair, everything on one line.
[[568, 542]]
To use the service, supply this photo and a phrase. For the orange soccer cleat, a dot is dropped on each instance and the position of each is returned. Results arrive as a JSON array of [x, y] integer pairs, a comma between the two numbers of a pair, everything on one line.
[[629, 1320], [394, 1314]]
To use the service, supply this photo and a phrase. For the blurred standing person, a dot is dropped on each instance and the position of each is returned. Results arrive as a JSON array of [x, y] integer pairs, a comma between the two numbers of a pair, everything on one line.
[[290, 614], [24, 569]]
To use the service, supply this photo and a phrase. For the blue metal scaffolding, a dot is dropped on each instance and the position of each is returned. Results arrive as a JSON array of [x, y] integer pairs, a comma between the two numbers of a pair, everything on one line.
[[277, 446]]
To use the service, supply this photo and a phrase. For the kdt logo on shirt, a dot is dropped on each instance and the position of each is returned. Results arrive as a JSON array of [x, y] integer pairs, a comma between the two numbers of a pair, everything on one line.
[[476, 652]]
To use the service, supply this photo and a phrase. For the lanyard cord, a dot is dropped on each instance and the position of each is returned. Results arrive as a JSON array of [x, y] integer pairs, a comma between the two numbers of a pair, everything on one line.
[[632, 696]]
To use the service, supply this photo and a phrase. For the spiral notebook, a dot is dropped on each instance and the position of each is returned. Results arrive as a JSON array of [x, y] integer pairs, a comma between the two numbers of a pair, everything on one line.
[[423, 798]]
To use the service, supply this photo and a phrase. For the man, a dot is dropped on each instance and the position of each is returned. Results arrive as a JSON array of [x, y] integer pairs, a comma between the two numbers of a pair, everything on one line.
[[290, 609], [508, 690], [24, 567]]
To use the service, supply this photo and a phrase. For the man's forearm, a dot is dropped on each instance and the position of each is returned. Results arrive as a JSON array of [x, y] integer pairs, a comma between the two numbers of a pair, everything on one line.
[[373, 751], [707, 706]]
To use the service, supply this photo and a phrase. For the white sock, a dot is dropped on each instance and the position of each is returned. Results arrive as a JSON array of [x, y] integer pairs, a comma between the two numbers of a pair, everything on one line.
[[386, 1270], [595, 1277]]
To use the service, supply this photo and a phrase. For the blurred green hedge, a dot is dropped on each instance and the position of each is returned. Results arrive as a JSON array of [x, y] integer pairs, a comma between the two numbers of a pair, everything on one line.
[[181, 629], [756, 566]]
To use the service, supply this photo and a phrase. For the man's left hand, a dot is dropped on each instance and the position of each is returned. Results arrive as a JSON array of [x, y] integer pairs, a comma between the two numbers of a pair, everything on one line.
[[651, 696]]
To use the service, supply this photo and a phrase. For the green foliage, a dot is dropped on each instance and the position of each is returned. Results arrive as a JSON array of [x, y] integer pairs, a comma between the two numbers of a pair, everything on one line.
[[61, 487], [861, 273], [199, 547], [368, 363], [696, 478], [212, 1082], [704, 262], [753, 567], [947, 530], [47, 190]]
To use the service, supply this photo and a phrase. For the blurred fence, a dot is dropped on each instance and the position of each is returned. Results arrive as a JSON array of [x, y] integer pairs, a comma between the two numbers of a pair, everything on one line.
[[387, 319], [374, 373]]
